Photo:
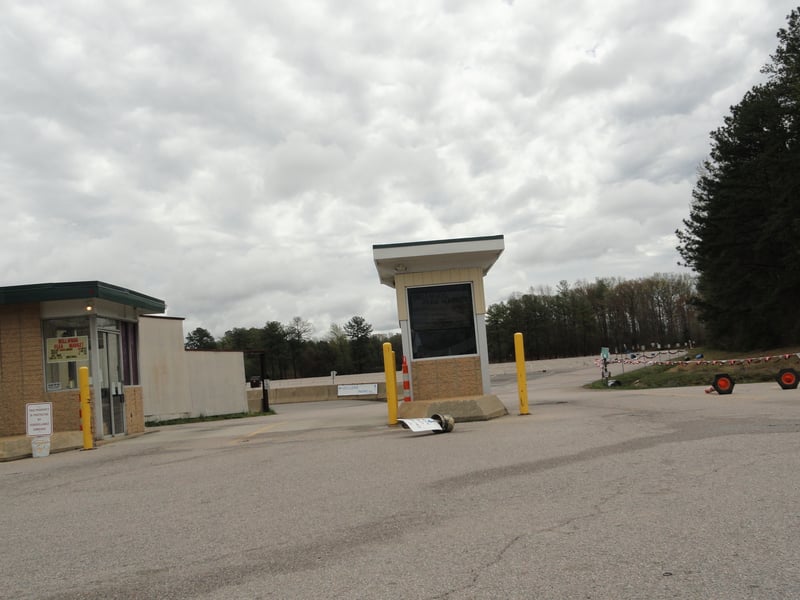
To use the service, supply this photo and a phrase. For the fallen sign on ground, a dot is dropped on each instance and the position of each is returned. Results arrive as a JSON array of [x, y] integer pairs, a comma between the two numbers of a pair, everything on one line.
[[436, 423]]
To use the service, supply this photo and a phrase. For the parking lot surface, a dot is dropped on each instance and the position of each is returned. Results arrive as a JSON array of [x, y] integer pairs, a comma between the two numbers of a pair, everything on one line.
[[669, 493]]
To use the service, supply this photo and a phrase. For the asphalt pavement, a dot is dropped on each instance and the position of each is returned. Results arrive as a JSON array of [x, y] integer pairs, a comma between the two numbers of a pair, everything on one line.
[[669, 493]]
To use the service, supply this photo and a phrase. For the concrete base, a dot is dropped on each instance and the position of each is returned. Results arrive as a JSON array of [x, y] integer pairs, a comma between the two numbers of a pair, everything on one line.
[[465, 408]]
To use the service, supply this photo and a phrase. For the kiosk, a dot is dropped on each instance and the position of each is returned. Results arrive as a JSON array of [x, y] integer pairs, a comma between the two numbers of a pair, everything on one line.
[[48, 331], [442, 308]]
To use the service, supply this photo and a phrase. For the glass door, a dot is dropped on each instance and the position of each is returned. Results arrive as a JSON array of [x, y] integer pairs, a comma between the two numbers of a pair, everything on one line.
[[112, 398]]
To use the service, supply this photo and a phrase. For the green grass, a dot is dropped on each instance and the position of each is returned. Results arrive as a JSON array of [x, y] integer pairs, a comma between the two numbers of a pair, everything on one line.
[[200, 419], [680, 375]]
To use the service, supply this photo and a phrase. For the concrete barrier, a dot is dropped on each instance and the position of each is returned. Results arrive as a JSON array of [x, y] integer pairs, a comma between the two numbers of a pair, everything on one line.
[[307, 393]]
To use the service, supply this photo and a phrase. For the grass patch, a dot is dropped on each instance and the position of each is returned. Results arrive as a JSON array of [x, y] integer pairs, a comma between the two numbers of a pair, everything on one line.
[[201, 419], [692, 373]]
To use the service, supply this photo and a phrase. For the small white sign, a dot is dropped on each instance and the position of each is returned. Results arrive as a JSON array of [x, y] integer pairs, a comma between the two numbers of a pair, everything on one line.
[[39, 418], [358, 389], [426, 424]]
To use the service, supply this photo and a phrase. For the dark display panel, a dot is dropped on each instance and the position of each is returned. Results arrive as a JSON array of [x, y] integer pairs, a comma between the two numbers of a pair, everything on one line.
[[442, 320]]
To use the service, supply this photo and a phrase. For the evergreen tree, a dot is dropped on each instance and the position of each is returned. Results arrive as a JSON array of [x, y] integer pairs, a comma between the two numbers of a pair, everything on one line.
[[743, 233], [359, 331], [338, 340], [276, 345], [200, 339], [297, 334]]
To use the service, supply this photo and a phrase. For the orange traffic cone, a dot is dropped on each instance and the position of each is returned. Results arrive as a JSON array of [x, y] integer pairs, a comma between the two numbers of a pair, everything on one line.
[[406, 382]]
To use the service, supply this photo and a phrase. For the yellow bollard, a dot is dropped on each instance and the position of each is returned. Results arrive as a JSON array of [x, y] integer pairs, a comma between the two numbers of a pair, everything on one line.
[[391, 383], [522, 383], [86, 408]]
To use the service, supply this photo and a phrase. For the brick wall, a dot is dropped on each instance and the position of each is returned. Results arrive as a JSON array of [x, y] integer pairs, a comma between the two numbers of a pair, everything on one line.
[[66, 409], [21, 367], [446, 378]]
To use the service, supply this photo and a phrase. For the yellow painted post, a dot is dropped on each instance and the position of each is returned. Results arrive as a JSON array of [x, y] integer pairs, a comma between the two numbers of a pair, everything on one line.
[[86, 408], [522, 382], [391, 383]]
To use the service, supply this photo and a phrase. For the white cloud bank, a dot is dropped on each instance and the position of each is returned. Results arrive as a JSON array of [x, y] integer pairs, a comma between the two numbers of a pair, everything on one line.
[[239, 160]]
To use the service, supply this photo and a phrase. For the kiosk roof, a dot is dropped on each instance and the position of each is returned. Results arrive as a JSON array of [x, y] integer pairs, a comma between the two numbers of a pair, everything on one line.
[[436, 255], [79, 290]]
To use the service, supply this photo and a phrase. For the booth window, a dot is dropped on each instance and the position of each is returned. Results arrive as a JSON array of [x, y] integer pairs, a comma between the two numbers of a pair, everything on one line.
[[442, 320], [130, 353], [66, 349]]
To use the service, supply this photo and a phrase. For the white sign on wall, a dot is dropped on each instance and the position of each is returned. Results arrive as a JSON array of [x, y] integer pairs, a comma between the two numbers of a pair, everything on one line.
[[358, 389], [39, 418]]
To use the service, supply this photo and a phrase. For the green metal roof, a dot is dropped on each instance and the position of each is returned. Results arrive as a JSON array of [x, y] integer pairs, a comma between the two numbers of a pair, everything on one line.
[[79, 290]]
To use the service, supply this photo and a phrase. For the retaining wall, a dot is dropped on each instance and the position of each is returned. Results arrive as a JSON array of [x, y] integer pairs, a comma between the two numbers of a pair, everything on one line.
[[308, 393]]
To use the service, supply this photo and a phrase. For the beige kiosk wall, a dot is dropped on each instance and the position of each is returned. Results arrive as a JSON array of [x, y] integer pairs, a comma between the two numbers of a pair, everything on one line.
[[445, 377]]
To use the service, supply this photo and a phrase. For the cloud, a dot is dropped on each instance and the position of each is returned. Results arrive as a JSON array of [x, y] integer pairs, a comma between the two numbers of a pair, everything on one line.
[[239, 161]]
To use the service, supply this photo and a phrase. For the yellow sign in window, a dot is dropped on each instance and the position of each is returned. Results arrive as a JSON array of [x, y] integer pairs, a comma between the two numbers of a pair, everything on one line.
[[68, 349]]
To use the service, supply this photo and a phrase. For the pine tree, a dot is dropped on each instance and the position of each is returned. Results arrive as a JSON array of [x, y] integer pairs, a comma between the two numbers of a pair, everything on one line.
[[743, 233], [359, 331], [200, 339]]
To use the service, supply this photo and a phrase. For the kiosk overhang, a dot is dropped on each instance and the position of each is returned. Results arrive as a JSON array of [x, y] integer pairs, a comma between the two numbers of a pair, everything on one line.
[[437, 255]]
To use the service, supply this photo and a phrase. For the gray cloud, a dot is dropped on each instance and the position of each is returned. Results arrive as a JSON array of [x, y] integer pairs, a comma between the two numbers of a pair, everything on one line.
[[240, 161]]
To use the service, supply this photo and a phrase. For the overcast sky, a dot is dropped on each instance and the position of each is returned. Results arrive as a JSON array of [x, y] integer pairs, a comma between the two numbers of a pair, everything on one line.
[[239, 159]]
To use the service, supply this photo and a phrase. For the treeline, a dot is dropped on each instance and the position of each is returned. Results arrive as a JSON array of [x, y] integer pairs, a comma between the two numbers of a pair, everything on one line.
[[290, 352], [578, 320], [575, 320]]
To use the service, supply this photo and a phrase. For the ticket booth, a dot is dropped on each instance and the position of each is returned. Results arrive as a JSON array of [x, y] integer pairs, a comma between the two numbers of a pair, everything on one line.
[[442, 308], [48, 331]]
